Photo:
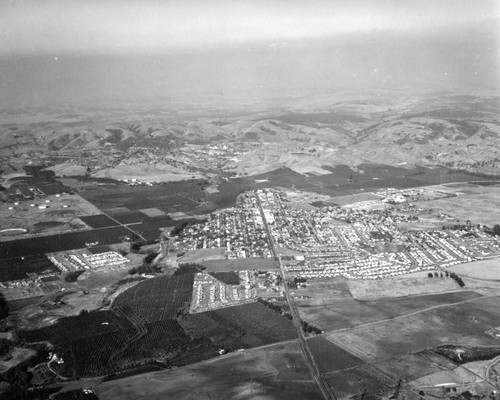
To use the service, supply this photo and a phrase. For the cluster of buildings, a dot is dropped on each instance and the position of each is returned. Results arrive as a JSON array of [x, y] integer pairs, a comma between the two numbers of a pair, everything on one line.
[[352, 242], [210, 293], [240, 231], [77, 261]]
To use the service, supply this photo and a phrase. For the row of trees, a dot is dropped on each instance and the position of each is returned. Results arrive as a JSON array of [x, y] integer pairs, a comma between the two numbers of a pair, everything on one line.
[[438, 274], [452, 275]]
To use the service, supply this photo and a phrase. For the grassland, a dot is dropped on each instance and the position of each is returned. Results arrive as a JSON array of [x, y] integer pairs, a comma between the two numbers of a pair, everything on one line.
[[332, 314], [484, 269], [477, 203], [411, 285]]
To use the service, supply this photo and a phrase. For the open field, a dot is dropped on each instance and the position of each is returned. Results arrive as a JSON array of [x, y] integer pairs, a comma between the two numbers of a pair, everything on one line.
[[411, 285], [414, 366], [483, 269], [200, 255], [329, 357], [464, 323], [274, 372], [355, 198], [146, 173], [240, 264], [479, 204], [332, 314], [359, 380]]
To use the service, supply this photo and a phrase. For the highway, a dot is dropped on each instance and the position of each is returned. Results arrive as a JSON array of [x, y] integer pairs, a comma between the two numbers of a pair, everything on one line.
[[325, 388]]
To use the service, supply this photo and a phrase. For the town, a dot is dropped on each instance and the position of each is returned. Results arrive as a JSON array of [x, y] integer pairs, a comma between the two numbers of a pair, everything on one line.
[[353, 242]]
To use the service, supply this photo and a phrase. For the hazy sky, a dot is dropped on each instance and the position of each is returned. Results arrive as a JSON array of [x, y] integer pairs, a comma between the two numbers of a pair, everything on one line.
[[90, 26], [58, 50]]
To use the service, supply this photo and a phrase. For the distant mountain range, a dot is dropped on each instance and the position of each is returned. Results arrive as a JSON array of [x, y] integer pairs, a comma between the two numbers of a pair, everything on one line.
[[429, 129]]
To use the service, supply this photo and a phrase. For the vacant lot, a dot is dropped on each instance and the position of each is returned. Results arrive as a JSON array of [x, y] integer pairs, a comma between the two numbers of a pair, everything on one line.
[[484, 269]]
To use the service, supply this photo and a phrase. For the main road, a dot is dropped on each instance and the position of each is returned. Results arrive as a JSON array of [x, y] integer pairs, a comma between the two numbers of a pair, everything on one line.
[[325, 388]]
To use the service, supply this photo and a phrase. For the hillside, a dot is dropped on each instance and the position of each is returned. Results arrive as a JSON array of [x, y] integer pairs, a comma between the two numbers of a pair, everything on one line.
[[459, 131]]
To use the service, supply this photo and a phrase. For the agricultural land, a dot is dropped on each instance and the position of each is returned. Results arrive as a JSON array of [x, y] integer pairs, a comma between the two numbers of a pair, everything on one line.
[[349, 250]]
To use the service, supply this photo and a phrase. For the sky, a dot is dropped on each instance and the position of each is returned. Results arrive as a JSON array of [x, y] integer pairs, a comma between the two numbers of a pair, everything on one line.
[[80, 50]]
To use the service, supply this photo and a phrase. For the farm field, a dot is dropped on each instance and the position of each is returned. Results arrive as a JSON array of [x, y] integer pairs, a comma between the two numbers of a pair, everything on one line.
[[62, 242], [147, 322], [410, 367], [370, 177], [464, 323], [328, 303], [483, 269], [159, 298], [278, 372], [98, 221], [169, 197], [342, 313], [330, 357], [359, 380], [21, 267], [244, 326]]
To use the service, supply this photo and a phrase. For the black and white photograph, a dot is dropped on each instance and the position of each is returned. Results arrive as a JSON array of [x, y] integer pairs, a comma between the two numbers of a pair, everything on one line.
[[250, 199]]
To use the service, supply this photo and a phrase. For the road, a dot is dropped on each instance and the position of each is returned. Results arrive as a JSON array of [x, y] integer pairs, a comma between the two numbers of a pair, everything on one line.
[[124, 226], [325, 388]]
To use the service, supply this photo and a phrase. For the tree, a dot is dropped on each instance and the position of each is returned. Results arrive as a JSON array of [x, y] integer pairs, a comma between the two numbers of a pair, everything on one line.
[[72, 276], [4, 307], [135, 247], [430, 275], [496, 230]]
